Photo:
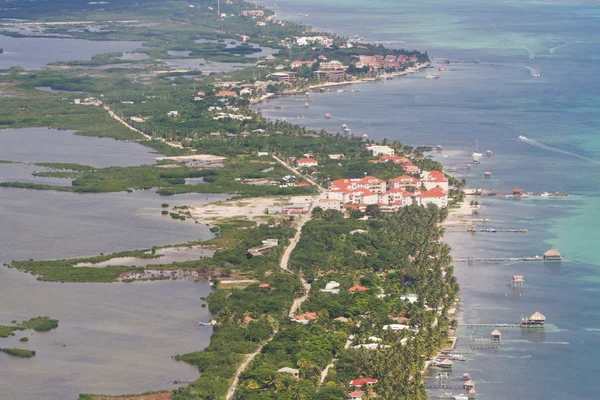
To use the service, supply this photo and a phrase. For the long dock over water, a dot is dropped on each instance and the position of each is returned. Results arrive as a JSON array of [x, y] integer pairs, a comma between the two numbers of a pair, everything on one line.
[[491, 325], [497, 259]]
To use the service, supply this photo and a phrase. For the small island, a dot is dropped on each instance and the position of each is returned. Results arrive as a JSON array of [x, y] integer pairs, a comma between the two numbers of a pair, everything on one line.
[[19, 352], [39, 324]]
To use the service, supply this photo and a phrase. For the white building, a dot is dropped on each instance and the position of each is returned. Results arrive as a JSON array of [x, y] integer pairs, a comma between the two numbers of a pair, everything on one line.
[[331, 204], [433, 179], [435, 196], [313, 40], [380, 150]]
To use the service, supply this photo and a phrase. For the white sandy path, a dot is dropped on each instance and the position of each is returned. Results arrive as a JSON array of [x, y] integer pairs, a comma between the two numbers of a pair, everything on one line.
[[284, 264], [147, 137]]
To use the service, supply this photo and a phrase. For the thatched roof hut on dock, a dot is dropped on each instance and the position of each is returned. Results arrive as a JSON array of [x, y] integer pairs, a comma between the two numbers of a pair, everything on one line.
[[535, 319], [496, 335], [552, 255]]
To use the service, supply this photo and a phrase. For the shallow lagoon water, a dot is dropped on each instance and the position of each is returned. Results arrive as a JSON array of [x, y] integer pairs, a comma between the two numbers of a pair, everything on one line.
[[35, 53], [51, 145], [119, 338]]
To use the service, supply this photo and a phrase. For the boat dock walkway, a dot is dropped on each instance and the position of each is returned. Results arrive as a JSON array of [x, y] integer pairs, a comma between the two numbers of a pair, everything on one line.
[[443, 386], [491, 325], [486, 230], [496, 259]]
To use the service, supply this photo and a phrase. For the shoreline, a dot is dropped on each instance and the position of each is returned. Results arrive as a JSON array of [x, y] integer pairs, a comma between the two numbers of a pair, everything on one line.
[[380, 77]]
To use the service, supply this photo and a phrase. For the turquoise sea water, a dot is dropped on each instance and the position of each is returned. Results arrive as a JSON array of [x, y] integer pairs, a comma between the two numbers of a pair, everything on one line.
[[494, 102]]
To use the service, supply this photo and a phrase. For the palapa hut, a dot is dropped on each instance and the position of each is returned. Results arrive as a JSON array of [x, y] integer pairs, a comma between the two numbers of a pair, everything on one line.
[[536, 319], [471, 393], [496, 335], [469, 384], [445, 363], [517, 280], [552, 255]]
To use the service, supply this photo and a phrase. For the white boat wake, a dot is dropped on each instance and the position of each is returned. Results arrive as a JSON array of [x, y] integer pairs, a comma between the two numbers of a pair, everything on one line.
[[555, 149], [534, 72], [552, 50], [529, 52]]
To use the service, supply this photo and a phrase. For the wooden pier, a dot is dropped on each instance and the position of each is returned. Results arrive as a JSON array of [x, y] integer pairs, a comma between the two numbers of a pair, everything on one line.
[[471, 260], [491, 325], [443, 386], [486, 230]]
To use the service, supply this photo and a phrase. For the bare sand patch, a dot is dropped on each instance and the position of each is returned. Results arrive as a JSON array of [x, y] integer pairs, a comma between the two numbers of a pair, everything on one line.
[[251, 209], [155, 396]]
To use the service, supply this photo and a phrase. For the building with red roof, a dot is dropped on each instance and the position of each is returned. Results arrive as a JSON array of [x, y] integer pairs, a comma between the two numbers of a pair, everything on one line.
[[403, 182], [433, 179], [363, 381], [437, 196], [306, 162], [358, 289], [264, 286]]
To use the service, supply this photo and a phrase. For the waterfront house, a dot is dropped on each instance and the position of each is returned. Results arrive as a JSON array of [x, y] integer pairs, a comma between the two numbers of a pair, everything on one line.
[[495, 335], [552, 255], [360, 382], [517, 280], [536, 319], [293, 371], [289, 77], [436, 196]]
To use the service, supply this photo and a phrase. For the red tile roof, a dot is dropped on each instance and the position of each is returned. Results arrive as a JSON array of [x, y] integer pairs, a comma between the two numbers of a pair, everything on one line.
[[308, 315], [358, 289], [306, 161], [263, 285], [363, 381], [436, 176], [435, 192], [405, 179], [364, 192]]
